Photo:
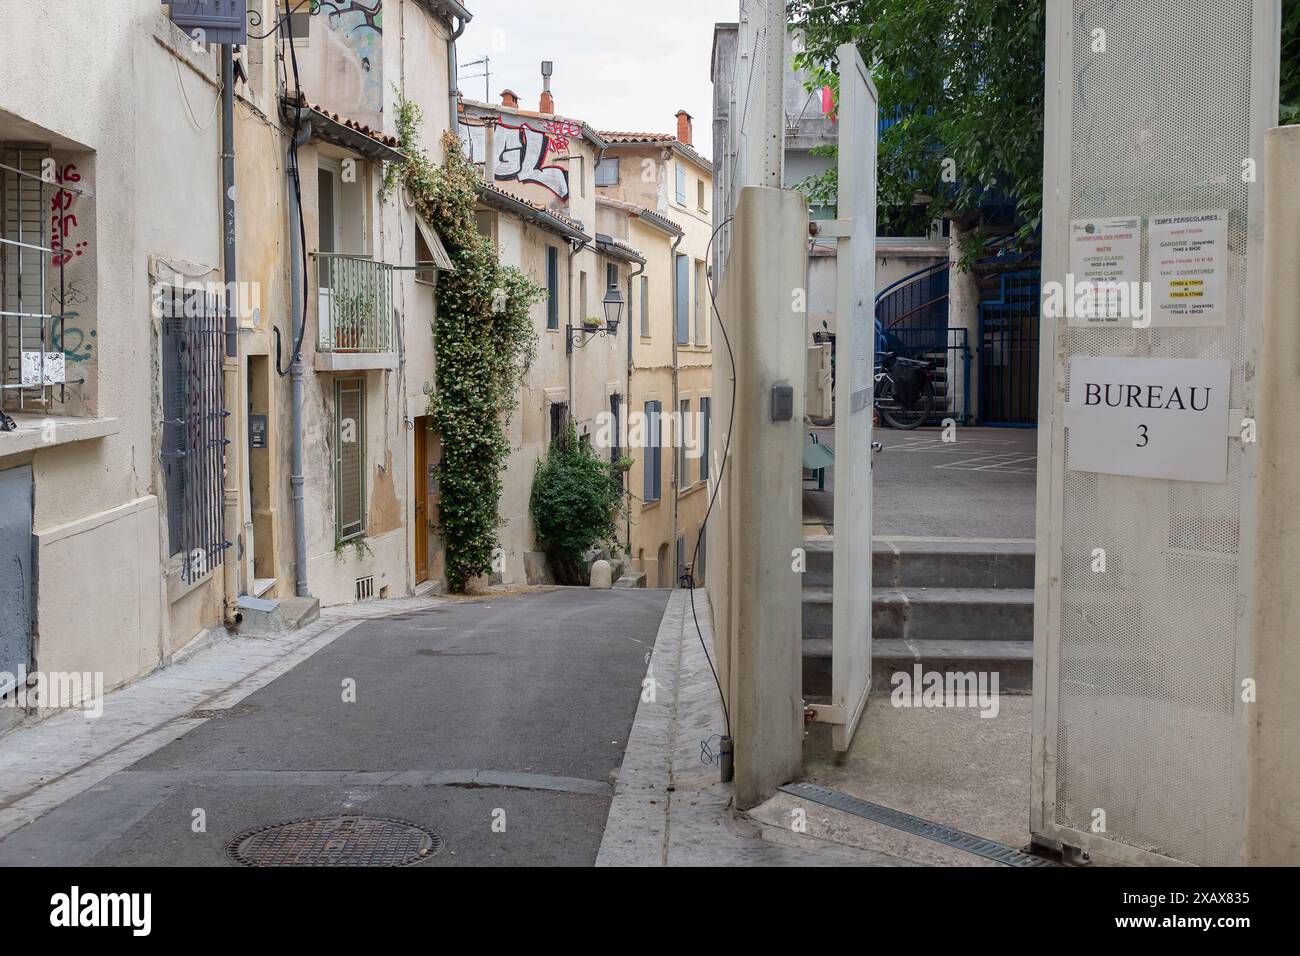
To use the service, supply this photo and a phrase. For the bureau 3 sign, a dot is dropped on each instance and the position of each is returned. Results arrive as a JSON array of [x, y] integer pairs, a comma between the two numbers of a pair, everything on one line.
[[1149, 417]]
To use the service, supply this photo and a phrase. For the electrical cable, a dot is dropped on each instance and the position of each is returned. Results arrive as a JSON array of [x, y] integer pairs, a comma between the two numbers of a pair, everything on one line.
[[717, 485], [297, 190], [216, 100]]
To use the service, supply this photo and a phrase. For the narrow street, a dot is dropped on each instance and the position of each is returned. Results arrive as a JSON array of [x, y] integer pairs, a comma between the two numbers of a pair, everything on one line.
[[519, 704]]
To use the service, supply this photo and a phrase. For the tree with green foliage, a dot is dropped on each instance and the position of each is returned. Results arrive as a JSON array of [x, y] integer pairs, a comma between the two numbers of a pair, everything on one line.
[[577, 497], [484, 342], [1290, 72], [964, 79]]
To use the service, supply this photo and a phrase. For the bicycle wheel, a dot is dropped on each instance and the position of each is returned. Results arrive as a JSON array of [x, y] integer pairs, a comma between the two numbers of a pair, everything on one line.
[[895, 414]]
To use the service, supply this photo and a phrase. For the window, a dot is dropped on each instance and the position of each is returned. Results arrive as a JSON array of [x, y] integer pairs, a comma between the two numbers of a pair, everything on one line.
[[559, 421], [701, 304], [611, 277], [683, 430], [193, 346], [699, 183], [485, 221], [706, 423], [681, 307], [616, 417], [653, 461], [552, 287], [424, 271], [645, 307], [349, 458], [681, 184], [607, 172]]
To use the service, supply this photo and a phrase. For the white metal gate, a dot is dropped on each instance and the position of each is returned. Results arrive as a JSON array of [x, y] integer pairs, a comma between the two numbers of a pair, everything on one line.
[[1154, 106], [854, 388]]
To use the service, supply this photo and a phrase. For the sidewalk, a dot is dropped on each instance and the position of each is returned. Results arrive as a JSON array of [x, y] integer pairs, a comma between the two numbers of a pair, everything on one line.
[[45, 764], [670, 808]]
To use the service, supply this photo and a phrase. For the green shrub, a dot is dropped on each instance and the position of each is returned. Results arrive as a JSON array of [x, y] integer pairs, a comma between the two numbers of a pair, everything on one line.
[[576, 499]]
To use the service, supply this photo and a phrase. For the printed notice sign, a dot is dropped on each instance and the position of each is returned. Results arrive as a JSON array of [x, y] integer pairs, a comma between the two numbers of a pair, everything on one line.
[[1106, 267], [1187, 265], [1149, 417], [32, 368]]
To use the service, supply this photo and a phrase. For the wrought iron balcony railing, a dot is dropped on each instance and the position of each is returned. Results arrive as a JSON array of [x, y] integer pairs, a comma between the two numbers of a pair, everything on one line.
[[356, 304]]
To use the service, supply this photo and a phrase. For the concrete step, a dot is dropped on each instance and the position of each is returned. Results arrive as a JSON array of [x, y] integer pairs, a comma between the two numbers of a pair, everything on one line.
[[930, 614], [1012, 661], [931, 563], [633, 579], [266, 618]]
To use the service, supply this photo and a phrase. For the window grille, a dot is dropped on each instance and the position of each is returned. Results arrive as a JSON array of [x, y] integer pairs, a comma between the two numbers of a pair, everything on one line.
[[33, 200], [193, 434]]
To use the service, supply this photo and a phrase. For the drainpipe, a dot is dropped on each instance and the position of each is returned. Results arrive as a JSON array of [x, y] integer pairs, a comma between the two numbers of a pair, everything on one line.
[[681, 426], [296, 479], [230, 363], [453, 80], [627, 400]]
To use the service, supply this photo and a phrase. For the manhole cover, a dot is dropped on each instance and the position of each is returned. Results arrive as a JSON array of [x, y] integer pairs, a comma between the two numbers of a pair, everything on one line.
[[335, 841], [241, 711]]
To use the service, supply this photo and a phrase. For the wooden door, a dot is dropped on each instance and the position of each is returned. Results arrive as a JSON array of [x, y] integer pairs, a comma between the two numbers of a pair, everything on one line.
[[420, 491]]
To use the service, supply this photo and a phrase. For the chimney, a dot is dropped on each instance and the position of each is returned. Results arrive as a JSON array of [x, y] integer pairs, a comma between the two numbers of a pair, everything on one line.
[[547, 104], [510, 98], [685, 129]]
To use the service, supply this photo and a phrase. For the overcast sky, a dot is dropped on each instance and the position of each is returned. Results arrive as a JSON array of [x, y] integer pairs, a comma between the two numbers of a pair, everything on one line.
[[619, 64]]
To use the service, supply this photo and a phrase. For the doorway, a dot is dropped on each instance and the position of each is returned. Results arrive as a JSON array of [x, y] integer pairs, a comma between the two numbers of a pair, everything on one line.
[[427, 459], [261, 543]]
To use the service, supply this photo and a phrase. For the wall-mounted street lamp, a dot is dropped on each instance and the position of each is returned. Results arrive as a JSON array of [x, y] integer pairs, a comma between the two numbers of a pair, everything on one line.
[[613, 305]]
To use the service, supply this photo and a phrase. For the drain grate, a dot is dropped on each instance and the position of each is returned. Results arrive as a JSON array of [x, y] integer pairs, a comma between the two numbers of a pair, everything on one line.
[[335, 841], [958, 839], [242, 710]]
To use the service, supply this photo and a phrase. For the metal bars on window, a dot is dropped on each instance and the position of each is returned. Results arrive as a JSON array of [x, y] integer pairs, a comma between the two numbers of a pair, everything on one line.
[[194, 442], [32, 366]]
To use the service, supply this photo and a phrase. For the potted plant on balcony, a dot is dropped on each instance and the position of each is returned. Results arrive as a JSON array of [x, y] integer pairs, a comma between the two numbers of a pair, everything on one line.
[[353, 313]]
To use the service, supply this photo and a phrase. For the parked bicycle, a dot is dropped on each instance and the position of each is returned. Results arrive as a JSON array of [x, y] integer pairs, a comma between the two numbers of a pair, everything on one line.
[[904, 388]]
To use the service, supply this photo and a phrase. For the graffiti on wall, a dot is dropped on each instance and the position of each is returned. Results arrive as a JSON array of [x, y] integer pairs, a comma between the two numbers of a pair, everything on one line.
[[63, 219], [68, 336], [522, 152], [353, 58]]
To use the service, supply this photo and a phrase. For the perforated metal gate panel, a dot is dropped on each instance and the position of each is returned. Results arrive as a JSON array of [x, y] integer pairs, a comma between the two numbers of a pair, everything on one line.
[[15, 575], [854, 390], [1144, 661]]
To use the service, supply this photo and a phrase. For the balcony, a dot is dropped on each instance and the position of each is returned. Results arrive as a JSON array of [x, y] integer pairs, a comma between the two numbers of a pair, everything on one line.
[[355, 313]]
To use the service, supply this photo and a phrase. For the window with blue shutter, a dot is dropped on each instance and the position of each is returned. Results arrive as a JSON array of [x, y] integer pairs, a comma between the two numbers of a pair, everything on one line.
[[645, 306], [681, 184], [653, 460], [552, 287], [706, 420], [681, 308]]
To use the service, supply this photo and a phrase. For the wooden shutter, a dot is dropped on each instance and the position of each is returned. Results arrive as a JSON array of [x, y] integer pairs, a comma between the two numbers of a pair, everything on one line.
[[552, 287], [681, 308]]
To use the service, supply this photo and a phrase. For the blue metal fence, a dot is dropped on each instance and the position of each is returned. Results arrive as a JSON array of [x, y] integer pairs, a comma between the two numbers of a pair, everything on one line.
[[1008, 351]]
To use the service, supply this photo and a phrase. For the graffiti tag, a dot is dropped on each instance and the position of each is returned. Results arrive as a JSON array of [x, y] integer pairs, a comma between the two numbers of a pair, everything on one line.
[[522, 158]]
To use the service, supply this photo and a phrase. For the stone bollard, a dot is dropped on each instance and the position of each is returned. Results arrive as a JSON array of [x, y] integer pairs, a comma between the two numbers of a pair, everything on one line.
[[602, 575]]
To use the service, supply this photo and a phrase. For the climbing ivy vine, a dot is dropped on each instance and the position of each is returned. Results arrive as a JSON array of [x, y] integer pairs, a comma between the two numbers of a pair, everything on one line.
[[484, 342]]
